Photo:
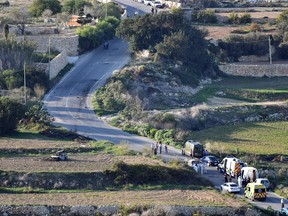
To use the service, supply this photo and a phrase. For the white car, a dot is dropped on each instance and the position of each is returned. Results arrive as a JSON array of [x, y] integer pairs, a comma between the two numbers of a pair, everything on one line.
[[157, 4], [264, 181], [230, 187], [148, 2]]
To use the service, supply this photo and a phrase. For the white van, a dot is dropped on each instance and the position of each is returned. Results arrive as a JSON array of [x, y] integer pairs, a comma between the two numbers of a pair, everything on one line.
[[249, 173]]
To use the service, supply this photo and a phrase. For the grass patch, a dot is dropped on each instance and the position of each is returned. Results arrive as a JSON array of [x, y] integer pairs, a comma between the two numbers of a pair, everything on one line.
[[246, 89], [262, 138], [110, 148], [44, 57]]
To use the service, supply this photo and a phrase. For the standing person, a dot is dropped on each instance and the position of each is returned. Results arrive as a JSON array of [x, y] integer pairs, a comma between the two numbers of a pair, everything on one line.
[[201, 169], [282, 203], [152, 148], [204, 167], [166, 148], [160, 147], [225, 178], [240, 181], [152, 10]]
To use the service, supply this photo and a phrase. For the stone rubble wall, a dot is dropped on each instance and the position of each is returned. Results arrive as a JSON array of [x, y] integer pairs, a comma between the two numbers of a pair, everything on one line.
[[57, 64], [6, 210], [60, 43], [255, 70]]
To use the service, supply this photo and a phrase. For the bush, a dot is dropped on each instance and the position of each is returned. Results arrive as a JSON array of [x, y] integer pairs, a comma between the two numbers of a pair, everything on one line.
[[12, 79], [250, 44], [38, 6], [233, 18], [10, 113], [281, 51], [245, 18], [205, 16], [36, 114], [91, 37]]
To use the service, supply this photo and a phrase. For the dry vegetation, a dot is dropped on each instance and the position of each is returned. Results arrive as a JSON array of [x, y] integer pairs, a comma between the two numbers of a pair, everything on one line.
[[35, 144], [76, 163]]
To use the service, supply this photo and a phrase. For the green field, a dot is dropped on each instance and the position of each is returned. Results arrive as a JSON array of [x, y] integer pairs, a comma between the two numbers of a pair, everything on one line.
[[246, 89], [265, 138]]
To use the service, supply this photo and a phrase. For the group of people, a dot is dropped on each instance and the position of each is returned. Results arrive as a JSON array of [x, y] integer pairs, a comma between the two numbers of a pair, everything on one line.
[[159, 146], [201, 168], [154, 10]]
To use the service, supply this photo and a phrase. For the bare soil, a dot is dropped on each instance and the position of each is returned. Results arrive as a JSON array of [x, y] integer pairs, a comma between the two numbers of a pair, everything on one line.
[[76, 163], [156, 197], [7, 143]]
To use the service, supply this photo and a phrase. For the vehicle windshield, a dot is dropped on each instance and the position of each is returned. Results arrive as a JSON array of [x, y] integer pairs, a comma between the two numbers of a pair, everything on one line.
[[233, 185], [212, 158]]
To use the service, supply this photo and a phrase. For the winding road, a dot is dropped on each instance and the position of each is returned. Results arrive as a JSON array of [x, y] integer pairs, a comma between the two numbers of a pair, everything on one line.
[[70, 101]]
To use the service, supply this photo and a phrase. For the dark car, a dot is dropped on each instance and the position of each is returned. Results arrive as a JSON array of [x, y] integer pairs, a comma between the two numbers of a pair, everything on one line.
[[210, 160]]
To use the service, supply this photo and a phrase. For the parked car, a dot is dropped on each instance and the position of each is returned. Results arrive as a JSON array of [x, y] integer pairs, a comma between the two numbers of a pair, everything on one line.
[[263, 181], [283, 212], [210, 160], [157, 4], [148, 2], [230, 187]]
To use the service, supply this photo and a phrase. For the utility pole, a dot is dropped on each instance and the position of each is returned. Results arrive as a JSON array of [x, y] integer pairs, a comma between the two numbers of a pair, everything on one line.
[[25, 93], [270, 51], [106, 12], [49, 53]]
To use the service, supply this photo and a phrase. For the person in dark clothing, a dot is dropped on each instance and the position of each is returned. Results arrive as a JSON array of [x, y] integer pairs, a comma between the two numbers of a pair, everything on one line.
[[225, 178]]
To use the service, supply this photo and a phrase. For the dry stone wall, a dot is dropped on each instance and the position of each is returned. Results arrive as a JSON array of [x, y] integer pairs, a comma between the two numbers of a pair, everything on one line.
[[57, 64], [255, 70], [60, 43], [116, 210]]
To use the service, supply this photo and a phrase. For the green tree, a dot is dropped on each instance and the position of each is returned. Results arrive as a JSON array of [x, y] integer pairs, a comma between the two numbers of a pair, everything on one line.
[[39, 6], [113, 10], [36, 114], [13, 53], [92, 36], [10, 113], [74, 6], [282, 22], [148, 30]]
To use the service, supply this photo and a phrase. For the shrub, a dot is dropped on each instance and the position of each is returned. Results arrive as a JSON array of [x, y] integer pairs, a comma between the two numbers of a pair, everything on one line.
[[10, 113], [205, 16], [245, 18], [233, 18], [282, 51], [250, 44], [38, 6], [36, 114], [91, 37], [12, 79], [254, 27]]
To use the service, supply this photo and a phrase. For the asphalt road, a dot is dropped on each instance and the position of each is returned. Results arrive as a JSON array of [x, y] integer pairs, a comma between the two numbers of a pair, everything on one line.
[[134, 6], [272, 200], [70, 101]]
